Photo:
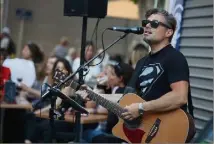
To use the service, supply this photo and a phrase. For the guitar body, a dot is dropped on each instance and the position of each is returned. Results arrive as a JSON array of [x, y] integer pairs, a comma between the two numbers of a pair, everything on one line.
[[168, 127]]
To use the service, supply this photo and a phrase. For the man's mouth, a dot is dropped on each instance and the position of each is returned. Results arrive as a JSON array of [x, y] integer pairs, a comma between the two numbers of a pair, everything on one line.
[[147, 32]]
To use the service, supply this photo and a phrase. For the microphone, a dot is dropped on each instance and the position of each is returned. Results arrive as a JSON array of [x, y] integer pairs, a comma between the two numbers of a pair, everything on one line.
[[135, 30]]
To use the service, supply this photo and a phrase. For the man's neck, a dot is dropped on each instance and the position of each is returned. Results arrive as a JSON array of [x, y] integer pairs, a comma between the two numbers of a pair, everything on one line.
[[157, 47]]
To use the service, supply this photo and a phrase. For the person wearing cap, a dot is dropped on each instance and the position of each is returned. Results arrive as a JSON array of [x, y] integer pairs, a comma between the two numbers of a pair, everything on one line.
[[7, 42]]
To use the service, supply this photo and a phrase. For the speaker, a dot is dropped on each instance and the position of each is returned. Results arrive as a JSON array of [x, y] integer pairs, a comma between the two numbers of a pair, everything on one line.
[[88, 8]]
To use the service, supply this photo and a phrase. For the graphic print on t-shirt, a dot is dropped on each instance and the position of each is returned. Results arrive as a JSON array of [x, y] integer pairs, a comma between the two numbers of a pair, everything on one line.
[[148, 76]]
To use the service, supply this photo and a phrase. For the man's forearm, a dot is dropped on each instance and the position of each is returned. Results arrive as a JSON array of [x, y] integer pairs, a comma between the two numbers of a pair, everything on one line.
[[167, 102]]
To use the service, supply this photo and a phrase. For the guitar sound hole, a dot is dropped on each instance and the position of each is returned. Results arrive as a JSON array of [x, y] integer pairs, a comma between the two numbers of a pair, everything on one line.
[[133, 124]]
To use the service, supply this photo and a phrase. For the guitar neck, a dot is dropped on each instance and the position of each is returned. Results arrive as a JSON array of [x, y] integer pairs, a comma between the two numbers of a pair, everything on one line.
[[111, 106]]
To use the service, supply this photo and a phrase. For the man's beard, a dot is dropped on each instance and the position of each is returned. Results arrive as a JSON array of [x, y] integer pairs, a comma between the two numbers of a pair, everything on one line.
[[150, 41]]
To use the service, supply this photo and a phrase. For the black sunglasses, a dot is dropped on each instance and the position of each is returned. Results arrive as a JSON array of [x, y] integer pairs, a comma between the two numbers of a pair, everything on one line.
[[154, 24]]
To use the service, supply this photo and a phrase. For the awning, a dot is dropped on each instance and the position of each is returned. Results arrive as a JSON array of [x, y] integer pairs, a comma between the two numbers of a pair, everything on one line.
[[123, 9]]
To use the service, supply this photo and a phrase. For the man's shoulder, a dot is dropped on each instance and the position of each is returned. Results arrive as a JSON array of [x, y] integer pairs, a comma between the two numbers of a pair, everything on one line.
[[175, 58], [173, 54]]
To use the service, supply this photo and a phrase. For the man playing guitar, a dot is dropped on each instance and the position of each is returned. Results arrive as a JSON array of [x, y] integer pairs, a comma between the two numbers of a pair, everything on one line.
[[162, 77]]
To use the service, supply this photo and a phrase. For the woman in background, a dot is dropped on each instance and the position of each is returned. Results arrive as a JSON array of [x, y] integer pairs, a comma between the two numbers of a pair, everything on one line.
[[118, 76], [93, 69], [138, 52], [64, 130], [32, 133], [39, 88]]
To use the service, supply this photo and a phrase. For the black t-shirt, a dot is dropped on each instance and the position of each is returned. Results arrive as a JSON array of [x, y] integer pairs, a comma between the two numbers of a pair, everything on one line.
[[155, 72]]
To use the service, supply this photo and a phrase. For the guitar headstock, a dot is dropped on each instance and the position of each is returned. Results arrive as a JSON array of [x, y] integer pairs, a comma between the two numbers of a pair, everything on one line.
[[59, 76]]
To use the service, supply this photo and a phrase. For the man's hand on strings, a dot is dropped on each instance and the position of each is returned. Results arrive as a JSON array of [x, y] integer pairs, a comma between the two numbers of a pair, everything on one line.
[[83, 93]]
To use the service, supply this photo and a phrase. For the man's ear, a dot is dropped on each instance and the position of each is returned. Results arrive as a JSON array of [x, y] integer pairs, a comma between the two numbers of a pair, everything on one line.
[[169, 33]]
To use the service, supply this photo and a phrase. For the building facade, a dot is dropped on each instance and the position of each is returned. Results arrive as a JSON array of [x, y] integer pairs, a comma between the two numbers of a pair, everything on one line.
[[196, 43]]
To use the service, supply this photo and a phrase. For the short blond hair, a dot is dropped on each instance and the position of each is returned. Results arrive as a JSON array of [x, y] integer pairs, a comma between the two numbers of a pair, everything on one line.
[[138, 52], [63, 39], [72, 50]]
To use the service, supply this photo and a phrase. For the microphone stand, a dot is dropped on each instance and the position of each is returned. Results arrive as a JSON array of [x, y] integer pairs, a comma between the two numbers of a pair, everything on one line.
[[51, 117], [81, 80], [54, 91]]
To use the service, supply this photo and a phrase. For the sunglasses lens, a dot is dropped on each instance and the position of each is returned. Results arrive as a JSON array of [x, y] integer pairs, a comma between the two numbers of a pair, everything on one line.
[[144, 23], [154, 24]]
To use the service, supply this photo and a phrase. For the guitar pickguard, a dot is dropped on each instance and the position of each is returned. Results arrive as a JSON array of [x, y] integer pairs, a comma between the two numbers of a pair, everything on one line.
[[133, 124], [134, 135]]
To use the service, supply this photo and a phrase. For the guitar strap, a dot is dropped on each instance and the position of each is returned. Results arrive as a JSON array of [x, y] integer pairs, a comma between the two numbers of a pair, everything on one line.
[[190, 105]]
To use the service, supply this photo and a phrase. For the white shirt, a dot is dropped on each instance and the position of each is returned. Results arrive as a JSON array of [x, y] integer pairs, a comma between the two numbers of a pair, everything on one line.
[[93, 71], [21, 68]]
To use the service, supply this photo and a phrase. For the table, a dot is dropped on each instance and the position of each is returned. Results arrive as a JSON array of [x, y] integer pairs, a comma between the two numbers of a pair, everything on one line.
[[4, 106], [16, 106], [91, 118], [85, 119]]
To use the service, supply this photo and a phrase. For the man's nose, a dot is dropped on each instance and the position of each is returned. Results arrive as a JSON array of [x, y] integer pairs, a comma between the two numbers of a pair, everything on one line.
[[148, 25]]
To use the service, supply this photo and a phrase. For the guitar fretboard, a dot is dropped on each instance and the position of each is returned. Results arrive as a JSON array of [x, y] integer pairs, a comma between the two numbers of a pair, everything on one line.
[[111, 106]]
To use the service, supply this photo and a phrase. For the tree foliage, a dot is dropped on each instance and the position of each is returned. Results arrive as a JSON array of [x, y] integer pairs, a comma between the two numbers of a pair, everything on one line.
[[135, 1]]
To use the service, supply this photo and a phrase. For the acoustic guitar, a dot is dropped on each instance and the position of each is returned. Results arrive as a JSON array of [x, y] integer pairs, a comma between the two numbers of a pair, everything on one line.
[[174, 126]]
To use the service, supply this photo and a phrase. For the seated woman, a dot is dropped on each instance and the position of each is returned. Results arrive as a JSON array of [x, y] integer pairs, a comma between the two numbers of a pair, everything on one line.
[[118, 75], [32, 121], [32, 94], [38, 130], [23, 69]]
